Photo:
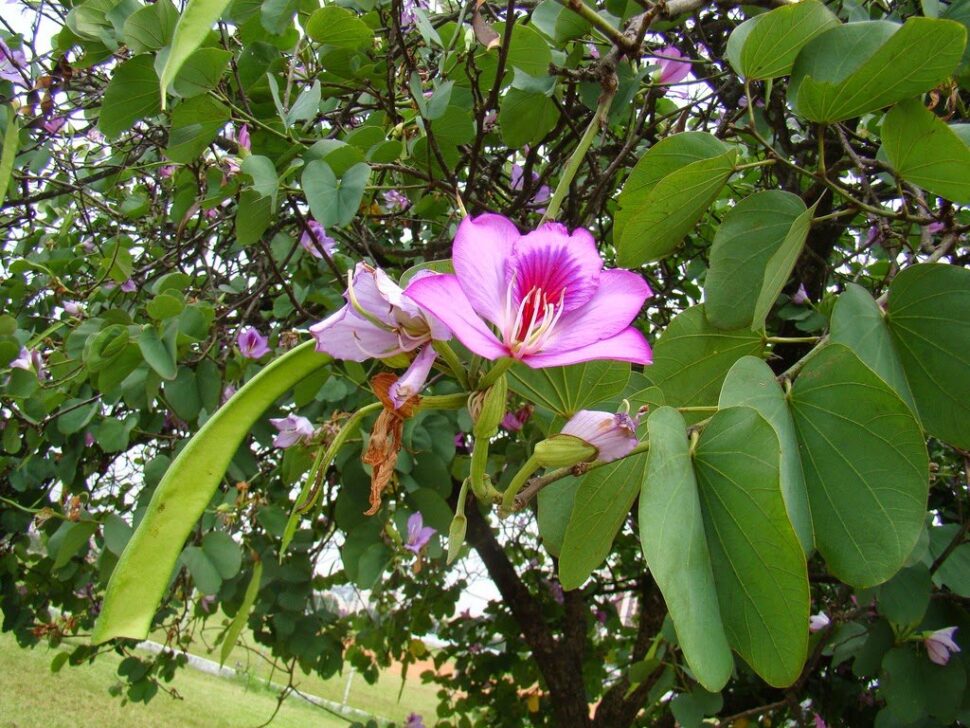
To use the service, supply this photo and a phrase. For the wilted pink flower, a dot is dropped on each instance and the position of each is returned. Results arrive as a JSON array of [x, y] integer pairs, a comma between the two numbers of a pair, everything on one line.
[[252, 344], [395, 200], [516, 181], [414, 721], [166, 171], [672, 69], [545, 293], [54, 124], [800, 296], [940, 644], [227, 393], [613, 435], [293, 429], [514, 421], [594, 52], [818, 622], [73, 308], [461, 443], [129, 286], [414, 378], [12, 63], [379, 320], [30, 360], [242, 138], [935, 227], [315, 240], [418, 533], [819, 721]]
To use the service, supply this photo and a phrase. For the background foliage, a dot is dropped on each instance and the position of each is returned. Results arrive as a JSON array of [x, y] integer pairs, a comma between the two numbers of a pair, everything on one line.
[[797, 204]]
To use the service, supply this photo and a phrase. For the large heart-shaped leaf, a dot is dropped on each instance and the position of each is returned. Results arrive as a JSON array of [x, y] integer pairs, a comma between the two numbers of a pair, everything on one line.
[[865, 465], [566, 390], [675, 548], [132, 94], [929, 317], [193, 26], [334, 201], [759, 567]]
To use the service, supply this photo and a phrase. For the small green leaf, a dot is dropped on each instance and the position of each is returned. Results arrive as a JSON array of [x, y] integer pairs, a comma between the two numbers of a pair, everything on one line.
[[143, 572], [675, 549], [223, 552], [603, 502], [73, 538], [193, 26], [204, 572], [566, 390], [195, 123], [340, 28], [201, 72], [904, 598], [334, 202], [928, 314], [525, 118], [865, 465], [855, 68], [759, 567], [150, 27], [132, 94], [157, 353], [780, 265], [766, 45], [924, 150], [555, 506]]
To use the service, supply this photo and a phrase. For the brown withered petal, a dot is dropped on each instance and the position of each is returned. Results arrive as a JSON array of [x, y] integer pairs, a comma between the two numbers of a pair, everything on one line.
[[385, 440], [484, 32]]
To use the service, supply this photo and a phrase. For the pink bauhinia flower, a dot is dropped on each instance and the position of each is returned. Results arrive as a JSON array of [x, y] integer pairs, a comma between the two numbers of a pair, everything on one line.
[[293, 429], [418, 533], [316, 241], [30, 360], [515, 421], [545, 293], [395, 200], [379, 320], [242, 138], [613, 435], [414, 378], [672, 69], [252, 344], [12, 65], [940, 644], [818, 622], [516, 182]]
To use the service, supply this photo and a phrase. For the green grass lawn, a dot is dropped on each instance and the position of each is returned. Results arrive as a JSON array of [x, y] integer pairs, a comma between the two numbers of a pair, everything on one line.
[[76, 697]]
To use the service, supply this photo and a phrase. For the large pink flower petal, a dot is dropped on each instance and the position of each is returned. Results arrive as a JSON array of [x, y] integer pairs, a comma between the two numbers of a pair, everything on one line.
[[555, 261], [345, 335], [373, 291], [615, 304], [445, 298], [482, 246], [628, 345]]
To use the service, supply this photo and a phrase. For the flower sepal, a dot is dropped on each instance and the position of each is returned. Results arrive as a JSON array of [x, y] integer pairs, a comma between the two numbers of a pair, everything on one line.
[[563, 451]]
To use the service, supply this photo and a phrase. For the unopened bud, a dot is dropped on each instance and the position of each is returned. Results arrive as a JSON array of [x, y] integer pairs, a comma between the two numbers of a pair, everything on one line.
[[488, 408], [456, 536], [560, 451]]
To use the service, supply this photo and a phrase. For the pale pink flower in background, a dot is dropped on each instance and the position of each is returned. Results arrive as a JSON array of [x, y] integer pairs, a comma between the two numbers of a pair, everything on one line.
[[242, 138], [293, 430], [516, 181], [54, 124], [166, 171], [316, 241], [819, 721], [418, 533], [395, 200], [818, 622], [12, 64], [30, 360], [379, 320], [940, 644], [73, 308], [414, 378], [935, 227], [89, 439], [672, 68], [129, 286], [545, 293], [613, 435], [515, 421], [251, 343], [800, 297]]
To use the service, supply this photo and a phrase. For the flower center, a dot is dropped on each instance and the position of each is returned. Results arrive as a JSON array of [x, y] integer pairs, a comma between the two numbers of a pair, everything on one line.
[[530, 324]]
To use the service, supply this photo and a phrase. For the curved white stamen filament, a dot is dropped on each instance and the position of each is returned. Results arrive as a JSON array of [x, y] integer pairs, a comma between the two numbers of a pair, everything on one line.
[[524, 338]]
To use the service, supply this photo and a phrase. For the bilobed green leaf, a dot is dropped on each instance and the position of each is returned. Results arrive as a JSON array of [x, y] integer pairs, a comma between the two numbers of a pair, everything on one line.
[[265, 181], [924, 150], [566, 390], [747, 239], [334, 201], [74, 537], [253, 216], [858, 322], [158, 355], [904, 598], [340, 28], [656, 213], [204, 572], [691, 358], [143, 572], [766, 45], [855, 68], [555, 505], [193, 26], [603, 501], [865, 465], [751, 383], [201, 72], [780, 265], [223, 552], [132, 94], [528, 50], [675, 549], [525, 118], [150, 27], [759, 567], [928, 314], [195, 123], [242, 615]]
